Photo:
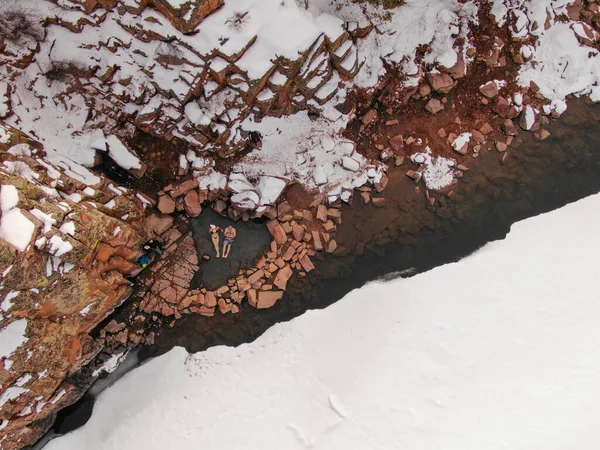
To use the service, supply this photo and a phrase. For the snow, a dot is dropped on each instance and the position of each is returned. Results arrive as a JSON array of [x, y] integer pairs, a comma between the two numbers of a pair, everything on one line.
[[15, 228], [460, 141], [59, 246], [437, 172], [47, 219], [269, 189], [529, 117], [506, 360], [121, 154], [111, 364], [7, 302], [9, 197], [12, 337], [68, 228]]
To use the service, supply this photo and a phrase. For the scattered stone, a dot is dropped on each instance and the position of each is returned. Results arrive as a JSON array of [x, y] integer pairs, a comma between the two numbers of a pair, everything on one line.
[[509, 128], [252, 298], [256, 276], [542, 134], [441, 133], [331, 247], [220, 206], [527, 118], [192, 203], [379, 202], [266, 299], [210, 299], [490, 89], [434, 106], [322, 213], [297, 231], [317, 241], [399, 160], [502, 107], [391, 123], [277, 231], [329, 226], [369, 117], [335, 215], [397, 142], [166, 204], [501, 146], [424, 90], [477, 136], [441, 82], [486, 129], [306, 263], [366, 197], [282, 277]]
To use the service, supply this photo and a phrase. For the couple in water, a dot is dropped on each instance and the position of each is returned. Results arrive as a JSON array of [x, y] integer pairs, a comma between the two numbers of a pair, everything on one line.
[[229, 233]]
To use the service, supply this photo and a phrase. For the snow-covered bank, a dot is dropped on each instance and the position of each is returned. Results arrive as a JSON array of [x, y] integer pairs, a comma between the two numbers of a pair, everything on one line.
[[496, 351]]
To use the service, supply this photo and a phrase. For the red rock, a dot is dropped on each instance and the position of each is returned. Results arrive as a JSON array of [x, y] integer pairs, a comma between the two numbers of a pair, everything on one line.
[[334, 214], [381, 184], [490, 89], [297, 231], [277, 231], [207, 311], [289, 253], [210, 299], [220, 206], [424, 90], [256, 276], [282, 277], [370, 116], [306, 263], [322, 213], [329, 226], [397, 142], [441, 82], [267, 299], [434, 106], [317, 241], [224, 307], [501, 107], [486, 129], [391, 123], [501, 146], [166, 204], [509, 128], [252, 298], [478, 136], [378, 202], [184, 187], [332, 246], [192, 203]]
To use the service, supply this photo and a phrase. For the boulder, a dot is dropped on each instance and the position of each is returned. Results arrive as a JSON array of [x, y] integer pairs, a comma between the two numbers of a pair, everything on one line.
[[322, 213], [397, 142], [509, 128], [434, 106], [441, 82], [370, 116], [282, 277], [191, 202], [267, 299], [527, 118], [490, 89], [277, 231], [166, 204], [502, 107]]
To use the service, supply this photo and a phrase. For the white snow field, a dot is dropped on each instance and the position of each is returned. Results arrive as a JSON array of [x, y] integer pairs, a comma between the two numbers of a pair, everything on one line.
[[497, 351]]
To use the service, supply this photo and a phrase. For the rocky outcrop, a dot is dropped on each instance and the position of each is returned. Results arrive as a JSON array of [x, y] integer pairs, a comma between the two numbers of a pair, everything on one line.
[[65, 249]]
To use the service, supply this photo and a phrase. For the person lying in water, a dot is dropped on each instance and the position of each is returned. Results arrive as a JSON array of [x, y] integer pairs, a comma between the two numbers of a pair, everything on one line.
[[214, 237], [230, 233]]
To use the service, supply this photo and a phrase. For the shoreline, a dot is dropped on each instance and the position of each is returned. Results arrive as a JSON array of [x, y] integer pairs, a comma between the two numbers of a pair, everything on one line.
[[537, 180]]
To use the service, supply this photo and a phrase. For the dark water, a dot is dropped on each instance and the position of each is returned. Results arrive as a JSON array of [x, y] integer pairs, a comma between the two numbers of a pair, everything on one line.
[[253, 238], [408, 237]]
